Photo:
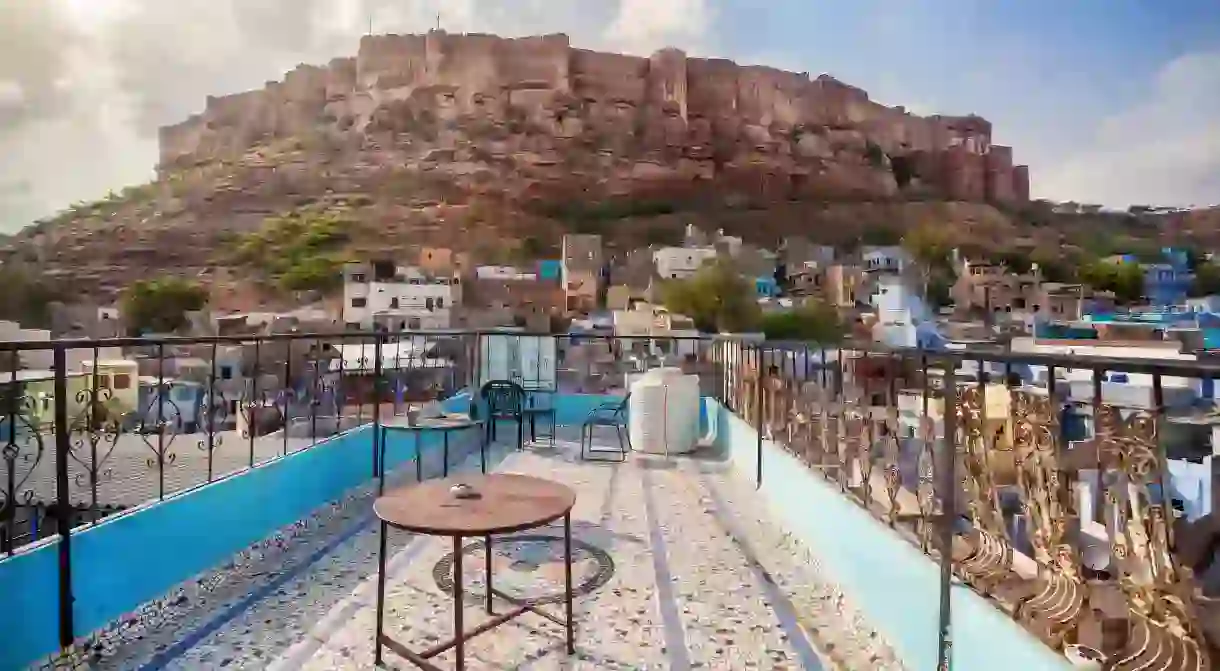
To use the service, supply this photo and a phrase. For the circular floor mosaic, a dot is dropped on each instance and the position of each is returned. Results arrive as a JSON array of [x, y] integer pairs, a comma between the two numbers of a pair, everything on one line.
[[529, 568]]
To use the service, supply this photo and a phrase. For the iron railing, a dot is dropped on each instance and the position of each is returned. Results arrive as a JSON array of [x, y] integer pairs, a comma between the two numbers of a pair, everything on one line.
[[1042, 482]]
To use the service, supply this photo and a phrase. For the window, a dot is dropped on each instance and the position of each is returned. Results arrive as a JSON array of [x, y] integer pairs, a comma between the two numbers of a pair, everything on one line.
[[359, 302], [414, 323], [358, 277], [122, 381], [226, 372], [103, 381], [428, 303], [233, 406], [440, 303], [394, 303]]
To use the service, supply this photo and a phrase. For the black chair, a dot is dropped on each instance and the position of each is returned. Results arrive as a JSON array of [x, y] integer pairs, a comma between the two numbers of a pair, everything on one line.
[[505, 400], [612, 414], [536, 408]]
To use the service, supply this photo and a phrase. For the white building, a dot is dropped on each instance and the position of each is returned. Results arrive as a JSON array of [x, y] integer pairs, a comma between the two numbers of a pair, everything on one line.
[[404, 299], [503, 273], [675, 263], [891, 259]]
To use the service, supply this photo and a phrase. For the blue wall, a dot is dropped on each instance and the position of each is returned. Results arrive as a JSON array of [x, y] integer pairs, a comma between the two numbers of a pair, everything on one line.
[[894, 584], [29, 606], [549, 269], [131, 558]]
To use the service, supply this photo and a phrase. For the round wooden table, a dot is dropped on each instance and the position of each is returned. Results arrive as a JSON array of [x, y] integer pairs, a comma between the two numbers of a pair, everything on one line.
[[445, 425], [487, 505]]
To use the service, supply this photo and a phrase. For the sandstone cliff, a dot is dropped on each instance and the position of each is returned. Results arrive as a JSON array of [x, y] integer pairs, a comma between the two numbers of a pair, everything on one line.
[[662, 119], [471, 140]]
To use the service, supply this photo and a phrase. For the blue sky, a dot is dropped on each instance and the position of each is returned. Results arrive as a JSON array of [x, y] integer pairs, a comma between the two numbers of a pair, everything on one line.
[[1108, 101], [1055, 77]]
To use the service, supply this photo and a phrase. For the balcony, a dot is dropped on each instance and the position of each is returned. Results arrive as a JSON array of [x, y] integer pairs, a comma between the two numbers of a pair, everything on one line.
[[808, 531]]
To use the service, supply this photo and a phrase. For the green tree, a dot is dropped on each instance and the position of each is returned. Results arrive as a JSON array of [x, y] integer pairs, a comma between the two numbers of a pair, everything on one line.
[[816, 322], [930, 248], [27, 297], [716, 297], [1053, 268], [160, 305], [1015, 260], [1126, 280], [297, 252], [1207, 279]]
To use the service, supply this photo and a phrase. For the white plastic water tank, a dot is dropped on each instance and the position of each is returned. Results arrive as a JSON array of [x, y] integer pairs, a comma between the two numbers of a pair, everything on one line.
[[664, 412]]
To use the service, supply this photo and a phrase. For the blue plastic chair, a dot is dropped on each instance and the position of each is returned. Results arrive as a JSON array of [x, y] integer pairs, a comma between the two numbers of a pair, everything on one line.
[[505, 400], [611, 414]]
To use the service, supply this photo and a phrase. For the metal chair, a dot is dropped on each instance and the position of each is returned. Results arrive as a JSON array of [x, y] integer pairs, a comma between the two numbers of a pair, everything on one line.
[[505, 400], [612, 414]]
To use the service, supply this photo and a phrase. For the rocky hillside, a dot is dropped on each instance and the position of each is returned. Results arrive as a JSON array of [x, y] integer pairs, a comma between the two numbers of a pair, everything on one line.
[[498, 146]]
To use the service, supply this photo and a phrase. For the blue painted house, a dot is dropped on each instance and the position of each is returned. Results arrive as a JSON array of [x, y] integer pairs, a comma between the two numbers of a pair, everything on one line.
[[767, 287], [1168, 281]]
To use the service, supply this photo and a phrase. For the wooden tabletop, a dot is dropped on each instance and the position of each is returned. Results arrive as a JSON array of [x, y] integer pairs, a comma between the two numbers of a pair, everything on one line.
[[442, 423], [506, 503]]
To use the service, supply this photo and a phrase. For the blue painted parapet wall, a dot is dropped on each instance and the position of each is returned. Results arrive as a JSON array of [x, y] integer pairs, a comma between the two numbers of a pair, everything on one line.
[[134, 557], [893, 583]]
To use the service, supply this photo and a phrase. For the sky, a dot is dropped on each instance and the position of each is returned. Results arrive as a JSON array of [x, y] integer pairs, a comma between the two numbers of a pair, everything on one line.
[[1108, 101]]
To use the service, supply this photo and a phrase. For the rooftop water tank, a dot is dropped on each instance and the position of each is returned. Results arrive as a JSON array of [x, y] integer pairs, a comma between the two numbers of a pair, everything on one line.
[[664, 412]]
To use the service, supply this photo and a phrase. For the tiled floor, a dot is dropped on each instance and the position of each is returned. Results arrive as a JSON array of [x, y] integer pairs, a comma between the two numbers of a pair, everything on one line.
[[679, 566]]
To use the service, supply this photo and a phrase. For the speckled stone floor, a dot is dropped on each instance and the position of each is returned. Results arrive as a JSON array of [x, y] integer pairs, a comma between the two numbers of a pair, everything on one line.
[[677, 566]]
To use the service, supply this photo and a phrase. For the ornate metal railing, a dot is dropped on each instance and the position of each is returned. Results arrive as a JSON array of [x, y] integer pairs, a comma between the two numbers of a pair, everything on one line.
[[1078, 540], [98, 427], [1072, 531]]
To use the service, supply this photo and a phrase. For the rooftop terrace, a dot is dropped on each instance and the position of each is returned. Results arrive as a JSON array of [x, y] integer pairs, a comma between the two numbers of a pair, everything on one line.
[[807, 531]]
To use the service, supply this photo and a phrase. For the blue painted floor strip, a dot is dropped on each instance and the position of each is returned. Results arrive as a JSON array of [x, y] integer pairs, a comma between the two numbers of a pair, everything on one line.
[[781, 605], [675, 633], [165, 657], [237, 608]]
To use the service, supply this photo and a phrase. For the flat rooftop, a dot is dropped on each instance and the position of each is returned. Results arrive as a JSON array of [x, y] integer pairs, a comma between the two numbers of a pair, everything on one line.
[[677, 566]]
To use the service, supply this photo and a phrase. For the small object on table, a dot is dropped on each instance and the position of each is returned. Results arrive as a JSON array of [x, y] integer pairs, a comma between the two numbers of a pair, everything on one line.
[[464, 491], [478, 506]]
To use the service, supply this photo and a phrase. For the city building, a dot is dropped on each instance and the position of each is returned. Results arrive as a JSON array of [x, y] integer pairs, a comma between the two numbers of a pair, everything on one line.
[[581, 271], [677, 263], [887, 259], [388, 297], [1167, 281]]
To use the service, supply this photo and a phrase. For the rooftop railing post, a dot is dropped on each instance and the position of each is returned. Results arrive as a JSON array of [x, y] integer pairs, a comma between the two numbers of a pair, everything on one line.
[[63, 504], [758, 413], [378, 455], [948, 487]]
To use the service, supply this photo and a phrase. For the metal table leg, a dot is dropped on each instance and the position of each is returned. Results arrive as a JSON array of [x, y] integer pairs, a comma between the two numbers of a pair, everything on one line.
[[567, 581], [445, 438], [459, 631], [487, 572], [419, 459], [380, 595], [483, 452]]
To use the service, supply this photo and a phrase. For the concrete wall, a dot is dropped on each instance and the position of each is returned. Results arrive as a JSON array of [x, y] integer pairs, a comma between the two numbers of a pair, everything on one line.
[[892, 582], [134, 557]]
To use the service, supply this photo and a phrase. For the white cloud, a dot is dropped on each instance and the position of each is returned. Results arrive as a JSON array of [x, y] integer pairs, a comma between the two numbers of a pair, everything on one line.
[[87, 82], [643, 26], [1165, 150]]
